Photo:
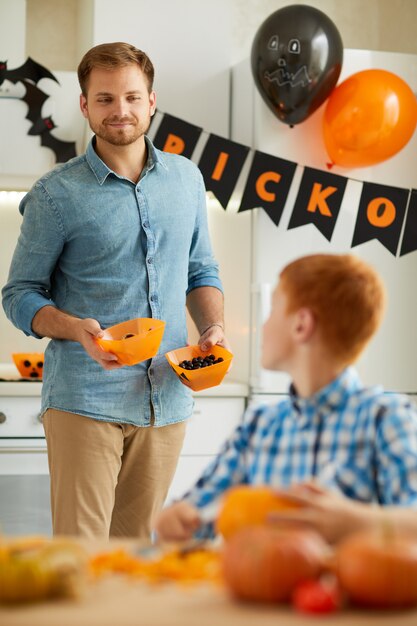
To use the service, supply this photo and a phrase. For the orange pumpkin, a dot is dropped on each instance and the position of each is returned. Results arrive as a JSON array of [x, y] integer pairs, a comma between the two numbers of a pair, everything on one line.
[[246, 505], [378, 569], [265, 564]]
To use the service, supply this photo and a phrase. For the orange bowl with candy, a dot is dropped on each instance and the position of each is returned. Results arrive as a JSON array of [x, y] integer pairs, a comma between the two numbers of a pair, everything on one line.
[[197, 369], [133, 341]]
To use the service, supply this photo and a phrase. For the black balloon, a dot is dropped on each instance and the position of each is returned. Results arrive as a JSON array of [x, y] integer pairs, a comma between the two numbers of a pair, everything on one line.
[[296, 60]]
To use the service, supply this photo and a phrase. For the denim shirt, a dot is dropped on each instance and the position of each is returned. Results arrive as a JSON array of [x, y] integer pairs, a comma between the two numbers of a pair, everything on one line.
[[97, 245]]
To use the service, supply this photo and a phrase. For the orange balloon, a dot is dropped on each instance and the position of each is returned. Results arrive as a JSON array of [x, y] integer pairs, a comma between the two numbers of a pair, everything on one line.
[[368, 118]]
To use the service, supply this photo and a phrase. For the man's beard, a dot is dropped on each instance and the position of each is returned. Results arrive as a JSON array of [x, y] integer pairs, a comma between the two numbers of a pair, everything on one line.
[[120, 136]]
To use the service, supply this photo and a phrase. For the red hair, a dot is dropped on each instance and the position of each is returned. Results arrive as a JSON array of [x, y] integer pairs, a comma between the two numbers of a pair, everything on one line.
[[345, 295]]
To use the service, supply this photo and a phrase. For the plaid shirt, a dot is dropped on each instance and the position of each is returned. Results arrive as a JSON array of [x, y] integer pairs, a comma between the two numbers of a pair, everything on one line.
[[360, 441]]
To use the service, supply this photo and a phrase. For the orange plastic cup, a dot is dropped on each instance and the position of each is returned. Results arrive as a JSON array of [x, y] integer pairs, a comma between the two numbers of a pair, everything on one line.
[[203, 378], [29, 364], [133, 341]]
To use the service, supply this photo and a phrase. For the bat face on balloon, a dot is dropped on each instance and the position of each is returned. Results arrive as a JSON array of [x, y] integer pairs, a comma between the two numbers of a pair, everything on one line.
[[296, 59]]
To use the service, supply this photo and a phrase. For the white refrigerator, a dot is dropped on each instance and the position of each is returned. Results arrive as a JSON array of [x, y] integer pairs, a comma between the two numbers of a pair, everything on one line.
[[391, 358]]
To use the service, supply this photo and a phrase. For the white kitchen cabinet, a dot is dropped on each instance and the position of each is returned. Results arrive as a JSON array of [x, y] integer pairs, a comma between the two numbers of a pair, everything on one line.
[[213, 420], [24, 475]]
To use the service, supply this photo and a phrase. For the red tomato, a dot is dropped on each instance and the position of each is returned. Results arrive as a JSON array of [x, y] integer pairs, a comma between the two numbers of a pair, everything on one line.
[[317, 596]]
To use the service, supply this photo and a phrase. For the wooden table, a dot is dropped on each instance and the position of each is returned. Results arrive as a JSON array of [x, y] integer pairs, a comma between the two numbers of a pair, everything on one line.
[[118, 601], [123, 601]]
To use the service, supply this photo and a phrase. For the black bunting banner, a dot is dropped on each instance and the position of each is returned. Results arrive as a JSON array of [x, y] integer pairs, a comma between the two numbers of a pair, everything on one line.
[[175, 135], [380, 215], [409, 242], [318, 201], [221, 163], [381, 212], [268, 185]]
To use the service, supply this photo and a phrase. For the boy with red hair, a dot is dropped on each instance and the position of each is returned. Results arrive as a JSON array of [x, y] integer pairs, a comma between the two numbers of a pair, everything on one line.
[[331, 429]]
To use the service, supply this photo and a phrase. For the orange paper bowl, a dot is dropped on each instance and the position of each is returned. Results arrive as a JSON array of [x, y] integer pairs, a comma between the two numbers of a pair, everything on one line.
[[146, 336], [29, 364], [201, 378]]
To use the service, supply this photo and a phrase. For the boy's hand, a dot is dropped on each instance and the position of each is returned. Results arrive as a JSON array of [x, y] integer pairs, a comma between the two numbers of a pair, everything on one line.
[[327, 512], [178, 522]]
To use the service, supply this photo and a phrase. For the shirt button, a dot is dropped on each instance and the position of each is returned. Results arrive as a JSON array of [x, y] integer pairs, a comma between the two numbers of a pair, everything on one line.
[[145, 224], [150, 260]]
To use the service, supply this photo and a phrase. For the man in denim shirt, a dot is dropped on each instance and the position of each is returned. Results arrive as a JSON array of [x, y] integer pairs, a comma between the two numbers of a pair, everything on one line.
[[115, 234]]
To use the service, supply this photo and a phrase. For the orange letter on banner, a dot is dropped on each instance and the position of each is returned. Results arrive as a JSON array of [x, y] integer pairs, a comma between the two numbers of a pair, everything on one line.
[[174, 144], [262, 181], [381, 212], [220, 165], [318, 199]]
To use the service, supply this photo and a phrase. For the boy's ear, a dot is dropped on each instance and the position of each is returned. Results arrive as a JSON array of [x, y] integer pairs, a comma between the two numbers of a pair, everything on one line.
[[304, 325]]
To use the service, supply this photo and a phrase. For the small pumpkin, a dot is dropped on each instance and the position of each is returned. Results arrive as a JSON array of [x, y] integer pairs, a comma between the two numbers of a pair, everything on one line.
[[35, 568], [378, 568], [246, 505], [265, 564]]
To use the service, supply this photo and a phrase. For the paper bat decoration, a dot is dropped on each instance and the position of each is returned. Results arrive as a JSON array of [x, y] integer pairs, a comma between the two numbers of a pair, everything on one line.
[[34, 98], [64, 150], [30, 70], [29, 74]]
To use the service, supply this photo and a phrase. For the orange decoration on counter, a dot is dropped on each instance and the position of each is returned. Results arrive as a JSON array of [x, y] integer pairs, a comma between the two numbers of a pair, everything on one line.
[[29, 364], [194, 566], [265, 564], [378, 568]]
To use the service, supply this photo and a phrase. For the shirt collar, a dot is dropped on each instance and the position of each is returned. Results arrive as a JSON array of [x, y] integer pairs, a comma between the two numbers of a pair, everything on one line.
[[329, 399], [101, 170]]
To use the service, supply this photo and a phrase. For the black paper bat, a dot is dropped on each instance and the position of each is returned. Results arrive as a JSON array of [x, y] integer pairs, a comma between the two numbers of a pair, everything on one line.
[[34, 98], [30, 70], [30, 73], [64, 150]]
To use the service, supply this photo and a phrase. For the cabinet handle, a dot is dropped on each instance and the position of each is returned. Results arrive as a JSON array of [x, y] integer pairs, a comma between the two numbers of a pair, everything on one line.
[[22, 449], [3, 417]]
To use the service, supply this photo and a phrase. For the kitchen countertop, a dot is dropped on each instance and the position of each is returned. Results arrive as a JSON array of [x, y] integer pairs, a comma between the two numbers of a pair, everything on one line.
[[227, 389]]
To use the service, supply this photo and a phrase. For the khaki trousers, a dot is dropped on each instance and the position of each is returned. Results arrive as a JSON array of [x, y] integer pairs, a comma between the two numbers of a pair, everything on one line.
[[108, 479]]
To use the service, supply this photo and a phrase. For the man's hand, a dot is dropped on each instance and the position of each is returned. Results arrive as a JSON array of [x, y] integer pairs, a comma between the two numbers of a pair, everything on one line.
[[88, 330], [177, 522], [213, 335], [56, 324]]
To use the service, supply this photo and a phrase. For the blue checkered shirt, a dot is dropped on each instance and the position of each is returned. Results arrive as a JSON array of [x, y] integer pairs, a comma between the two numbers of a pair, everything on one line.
[[360, 441]]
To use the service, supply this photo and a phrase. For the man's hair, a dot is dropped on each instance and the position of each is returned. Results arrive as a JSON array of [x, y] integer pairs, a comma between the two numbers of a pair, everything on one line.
[[345, 295], [110, 56]]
